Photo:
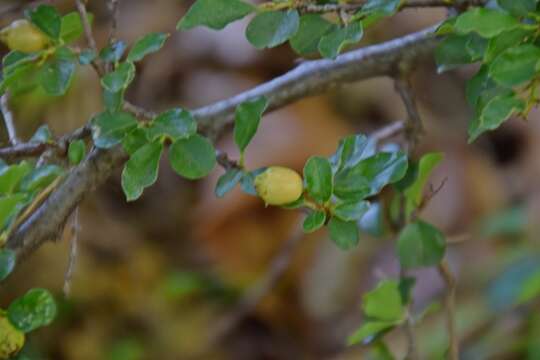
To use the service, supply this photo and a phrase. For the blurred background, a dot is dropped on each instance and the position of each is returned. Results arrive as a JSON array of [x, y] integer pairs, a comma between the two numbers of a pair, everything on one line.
[[159, 278]]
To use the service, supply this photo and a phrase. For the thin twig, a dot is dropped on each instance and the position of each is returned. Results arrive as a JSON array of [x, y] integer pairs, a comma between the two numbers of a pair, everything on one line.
[[114, 6], [414, 127], [8, 120], [81, 8], [388, 132], [74, 240], [254, 295], [450, 307]]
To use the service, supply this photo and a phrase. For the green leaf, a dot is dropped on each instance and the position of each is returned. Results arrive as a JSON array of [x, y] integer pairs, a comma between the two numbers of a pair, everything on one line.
[[72, 27], [332, 43], [452, 52], [486, 22], [109, 128], [248, 181], [351, 211], [192, 158], [134, 140], [8, 259], [41, 177], [386, 7], [148, 44], [420, 245], [228, 181], [246, 121], [113, 52], [351, 150], [87, 56], [494, 113], [56, 76], [33, 310], [515, 65], [478, 84], [518, 7], [370, 330], [176, 124], [272, 28], [384, 302], [503, 41], [141, 170], [42, 135], [11, 176], [314, 221], [414, 193], [47, 19], [370, 175], [343, 233], [119, 79], [311, 29], [10, 206], [318, 178], [215, 14], [76, 152], [113, 100]]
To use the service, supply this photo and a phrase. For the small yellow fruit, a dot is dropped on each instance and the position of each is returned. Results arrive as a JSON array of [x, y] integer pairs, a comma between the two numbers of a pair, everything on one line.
[[22, 36], [279, 185], [11, 339]]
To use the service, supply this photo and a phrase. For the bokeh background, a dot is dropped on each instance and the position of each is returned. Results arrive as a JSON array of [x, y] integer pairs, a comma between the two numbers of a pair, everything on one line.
[[154, 279]]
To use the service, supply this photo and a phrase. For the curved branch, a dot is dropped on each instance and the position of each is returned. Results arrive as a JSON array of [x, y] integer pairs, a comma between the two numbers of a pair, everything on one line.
[[307, 79]]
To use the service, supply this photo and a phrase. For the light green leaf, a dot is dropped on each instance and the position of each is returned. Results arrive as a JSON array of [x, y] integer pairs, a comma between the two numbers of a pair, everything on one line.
[[141, 170], [56, 76], [109, 128], [215, 14], [318, 178], [343, 233], [370, 330], [47, 19], [134, 140], [176, 124], [518, 7], [76, 151], [314, 221], [384, 302], [503, 41], [113, 52], [33, 310], [246, 121], [272, 28], [72, 27], [10, 206], [333, 43], [148, 44], [87, 56], [351, 211], [228, 181], [486, 22], [386, 7], [119, 79], [351, 150], [414, 193], [41, 177], [11, 176], [192, 158], [310, 31], [8, 259], [516, 65], [420, 245]]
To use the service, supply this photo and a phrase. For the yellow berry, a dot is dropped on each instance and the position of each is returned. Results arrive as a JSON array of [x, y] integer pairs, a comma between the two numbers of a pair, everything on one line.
[[279, 185], [22, 36], [11, 339]]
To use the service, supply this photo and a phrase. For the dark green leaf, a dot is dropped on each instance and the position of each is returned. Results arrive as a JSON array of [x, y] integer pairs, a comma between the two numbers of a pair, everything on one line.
[[386, 7], [272, 28], [248, 181], [228, 181], [351, 151], [215, 14], [113, 100], [8, 258], [10, 205], [452, 52], [109, 128], [176, 124], [384, 302], [332, 43], [310, 31], [351, 211], [41, 177], [141, 170], [192, 158], [113, 52], [420, 245], [148, 44], [503, 41], [76, 152], [246, 121], [370, 330], [119, 79], [134, 140], [56, 76], [314, 221], [42, 135], [518, 7], [486, 22], [515, 65], [343, 233], [47, 19], [11, 176], [33, 310], [318, 178], [87, 56], [72, 27]]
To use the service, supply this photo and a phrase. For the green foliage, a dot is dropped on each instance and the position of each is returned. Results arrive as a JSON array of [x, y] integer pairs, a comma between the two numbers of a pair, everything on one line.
[[47, 19], [343, 233], [228, 181], [8, 258], [109, 128], [146, 45], [72, 28], [119, 79], [351, 210], [174, 124], [314, 221], [33, 310], [76, 152], [420, 245], [273, 28], [311, 29], [113, 53], [40, 177], [334, 41], [192, 158], [318, 178], [215, 14], [141, 170], [246, 121]]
